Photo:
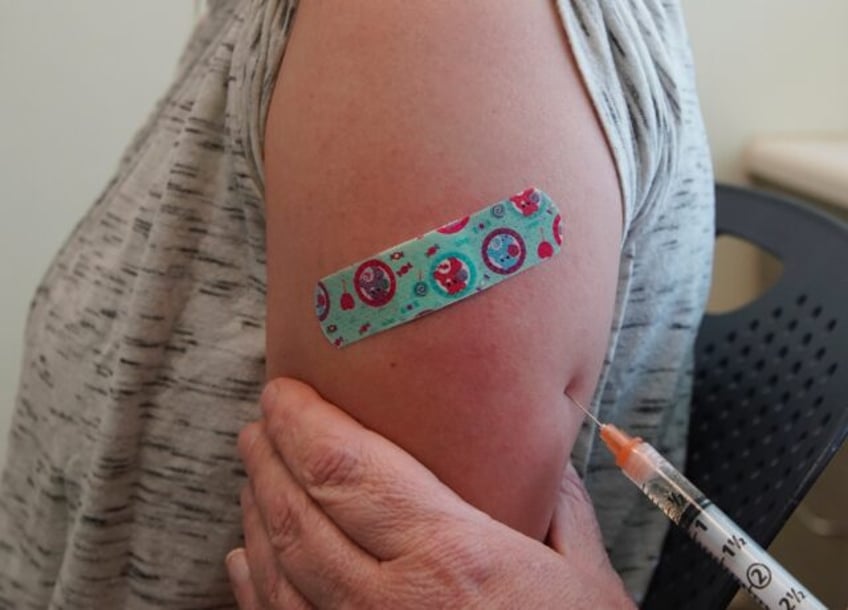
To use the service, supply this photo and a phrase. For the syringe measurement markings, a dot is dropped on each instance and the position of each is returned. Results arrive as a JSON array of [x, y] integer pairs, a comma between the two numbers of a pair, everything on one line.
[[713, 531], [697, 524], [766, 580]]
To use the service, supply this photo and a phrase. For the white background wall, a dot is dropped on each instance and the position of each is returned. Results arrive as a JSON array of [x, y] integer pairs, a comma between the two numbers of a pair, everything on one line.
[[767, 66], [77, 78]]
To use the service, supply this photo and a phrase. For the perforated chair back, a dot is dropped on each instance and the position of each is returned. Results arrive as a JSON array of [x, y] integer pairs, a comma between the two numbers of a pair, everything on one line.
[[770, 404]]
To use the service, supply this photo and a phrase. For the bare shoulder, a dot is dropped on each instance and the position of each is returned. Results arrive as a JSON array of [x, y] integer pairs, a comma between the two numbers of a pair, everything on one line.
[[388, 119]]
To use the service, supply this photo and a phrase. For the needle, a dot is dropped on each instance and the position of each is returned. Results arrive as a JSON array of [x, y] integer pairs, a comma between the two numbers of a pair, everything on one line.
[[584, 409], [702, 520]]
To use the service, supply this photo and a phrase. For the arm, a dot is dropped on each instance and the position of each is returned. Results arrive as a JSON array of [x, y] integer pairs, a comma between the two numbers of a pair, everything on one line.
[[388, 119]]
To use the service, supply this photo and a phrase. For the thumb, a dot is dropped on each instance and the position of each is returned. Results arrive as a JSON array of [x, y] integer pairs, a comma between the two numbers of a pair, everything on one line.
[[574, 527], [369, 487]]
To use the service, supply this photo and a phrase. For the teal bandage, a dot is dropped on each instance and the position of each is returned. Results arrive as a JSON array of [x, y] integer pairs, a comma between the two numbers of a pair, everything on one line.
[[434, 270]]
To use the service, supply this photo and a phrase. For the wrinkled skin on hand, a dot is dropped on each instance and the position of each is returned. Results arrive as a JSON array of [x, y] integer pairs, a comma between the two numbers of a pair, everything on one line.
[[336, 516]]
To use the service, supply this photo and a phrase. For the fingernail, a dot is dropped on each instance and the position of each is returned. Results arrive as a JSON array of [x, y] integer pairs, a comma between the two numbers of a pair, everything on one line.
[[237, 566]]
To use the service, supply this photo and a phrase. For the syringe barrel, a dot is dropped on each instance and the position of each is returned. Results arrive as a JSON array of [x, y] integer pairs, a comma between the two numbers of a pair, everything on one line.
[[706, 524]]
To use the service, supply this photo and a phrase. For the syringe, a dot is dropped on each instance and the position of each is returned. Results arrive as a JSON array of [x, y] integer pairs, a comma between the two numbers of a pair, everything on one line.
[[758, 573]]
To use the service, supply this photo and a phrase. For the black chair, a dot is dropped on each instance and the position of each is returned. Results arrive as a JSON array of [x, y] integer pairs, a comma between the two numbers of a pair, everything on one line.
[[770, 404]]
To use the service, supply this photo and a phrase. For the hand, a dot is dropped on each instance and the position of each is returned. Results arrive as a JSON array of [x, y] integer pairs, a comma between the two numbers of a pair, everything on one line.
[[337, 516]]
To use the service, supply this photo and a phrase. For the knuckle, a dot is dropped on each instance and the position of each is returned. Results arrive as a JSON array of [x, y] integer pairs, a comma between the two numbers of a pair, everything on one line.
[[283, 525], [332, 464], [470, 568], [454, 569]]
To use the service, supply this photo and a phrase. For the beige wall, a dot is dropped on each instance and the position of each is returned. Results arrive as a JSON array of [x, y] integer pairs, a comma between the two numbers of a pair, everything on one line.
[[767, 66], [764, 66]]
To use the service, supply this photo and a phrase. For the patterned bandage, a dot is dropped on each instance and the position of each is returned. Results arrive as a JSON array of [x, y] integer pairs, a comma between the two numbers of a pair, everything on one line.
[[439, 268]]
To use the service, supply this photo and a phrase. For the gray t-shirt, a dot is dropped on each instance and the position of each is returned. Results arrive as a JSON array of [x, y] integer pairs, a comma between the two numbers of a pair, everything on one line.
[[144, 349]]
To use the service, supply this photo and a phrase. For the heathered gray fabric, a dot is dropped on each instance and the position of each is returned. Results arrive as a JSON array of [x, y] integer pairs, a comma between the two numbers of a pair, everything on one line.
[[145, 345]]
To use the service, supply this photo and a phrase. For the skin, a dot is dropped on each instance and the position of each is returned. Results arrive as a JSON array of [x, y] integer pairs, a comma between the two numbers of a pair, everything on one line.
[[388, 119], [335, 516]]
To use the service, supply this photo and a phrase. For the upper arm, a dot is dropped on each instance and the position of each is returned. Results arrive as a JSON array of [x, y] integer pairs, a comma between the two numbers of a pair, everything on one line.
[[389, 119]]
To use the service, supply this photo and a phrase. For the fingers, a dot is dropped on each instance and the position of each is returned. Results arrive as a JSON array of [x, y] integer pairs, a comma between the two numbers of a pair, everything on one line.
[[576, 535], [565, 525], [242, 585], [267, 578], [574, 528], [292, 547], [374, 491]]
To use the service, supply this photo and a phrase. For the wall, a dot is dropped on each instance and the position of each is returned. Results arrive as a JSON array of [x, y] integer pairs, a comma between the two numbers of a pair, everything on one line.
[[77, 79], [764, 67], [768, 66]]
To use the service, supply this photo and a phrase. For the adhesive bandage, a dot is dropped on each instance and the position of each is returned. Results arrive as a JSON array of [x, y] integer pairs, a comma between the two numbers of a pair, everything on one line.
[[439, 268]]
